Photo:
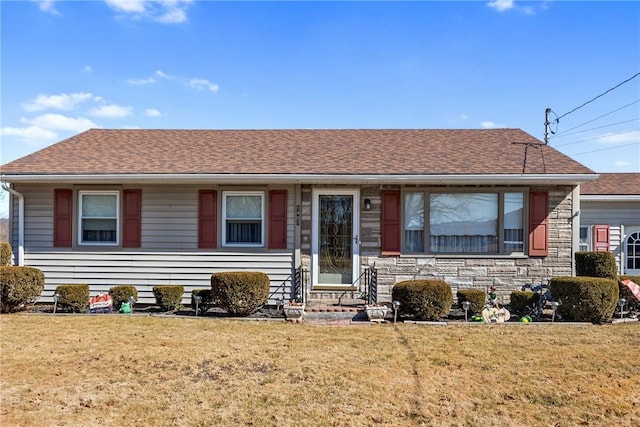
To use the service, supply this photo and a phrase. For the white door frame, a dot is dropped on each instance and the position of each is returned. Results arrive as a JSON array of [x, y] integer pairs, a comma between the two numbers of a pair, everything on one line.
[[315, 224], [628, 231]]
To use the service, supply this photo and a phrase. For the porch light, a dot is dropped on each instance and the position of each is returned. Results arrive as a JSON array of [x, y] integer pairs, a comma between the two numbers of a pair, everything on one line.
[[465, 305], [56, 297], [621, 304], [367, 204], [554, 306], [396, 305], [198, 300]]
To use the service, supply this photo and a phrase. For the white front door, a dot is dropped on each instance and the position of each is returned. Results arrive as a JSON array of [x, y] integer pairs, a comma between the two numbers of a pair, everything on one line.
[[335, 247], [632, 251]]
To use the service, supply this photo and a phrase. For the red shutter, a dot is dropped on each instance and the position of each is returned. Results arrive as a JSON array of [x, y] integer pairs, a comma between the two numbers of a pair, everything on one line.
[[131, 218], [538, 224], [278, 219], [601, 238], [62, 217], [390, 223], [207, 214]]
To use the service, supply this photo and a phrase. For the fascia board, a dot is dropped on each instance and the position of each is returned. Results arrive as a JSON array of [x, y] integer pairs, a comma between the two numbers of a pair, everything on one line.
[[610, 198], [491, 179]]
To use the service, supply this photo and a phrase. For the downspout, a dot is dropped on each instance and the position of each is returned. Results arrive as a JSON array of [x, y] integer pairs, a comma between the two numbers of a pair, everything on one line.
[[20, 260], [575, 227]]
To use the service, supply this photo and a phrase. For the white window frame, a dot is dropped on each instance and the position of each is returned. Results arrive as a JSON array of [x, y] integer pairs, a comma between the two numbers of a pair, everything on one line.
[[500, 225], [589, 229], [262, 219], [83, 193]]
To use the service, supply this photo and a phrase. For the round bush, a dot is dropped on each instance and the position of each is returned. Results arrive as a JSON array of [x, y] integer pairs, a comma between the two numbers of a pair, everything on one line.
[[476, 297], [20, 288], [520, 300], [120, 294], [74, 297], [596, 264], [588, 299], [169, 297], [423, 299], [240, 292], [206, 302]]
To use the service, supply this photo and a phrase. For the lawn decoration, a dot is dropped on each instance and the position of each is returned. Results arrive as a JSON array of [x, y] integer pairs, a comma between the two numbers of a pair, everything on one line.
[[101, 303]]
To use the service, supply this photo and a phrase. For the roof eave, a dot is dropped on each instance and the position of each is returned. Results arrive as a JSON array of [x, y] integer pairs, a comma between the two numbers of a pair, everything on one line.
[[483, 179], [610, 197]]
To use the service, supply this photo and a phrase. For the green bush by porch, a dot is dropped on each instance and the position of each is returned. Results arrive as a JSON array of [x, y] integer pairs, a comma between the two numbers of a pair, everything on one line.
[[120, 294], [20, 287], [476, 297], [73, 297], [423, 299], [169, 297], [5, 254], [596, 264], [240, 292], [587, 299]]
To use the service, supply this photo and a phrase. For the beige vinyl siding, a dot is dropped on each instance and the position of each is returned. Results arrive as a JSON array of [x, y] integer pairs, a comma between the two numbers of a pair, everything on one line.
[[144, 270]]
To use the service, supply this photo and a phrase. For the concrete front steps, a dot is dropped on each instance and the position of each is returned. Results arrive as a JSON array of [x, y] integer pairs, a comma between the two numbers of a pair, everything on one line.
[[332, 310]]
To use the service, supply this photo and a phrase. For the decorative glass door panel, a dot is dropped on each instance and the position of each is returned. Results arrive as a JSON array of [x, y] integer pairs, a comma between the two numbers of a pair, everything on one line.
[[335, 248]]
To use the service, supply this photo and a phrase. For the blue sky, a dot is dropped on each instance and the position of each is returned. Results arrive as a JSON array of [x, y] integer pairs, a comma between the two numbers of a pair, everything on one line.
[[69, 65]]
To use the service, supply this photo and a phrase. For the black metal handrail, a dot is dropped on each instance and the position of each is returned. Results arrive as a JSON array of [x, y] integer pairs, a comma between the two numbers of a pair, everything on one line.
[[299, 284], [366, 285]]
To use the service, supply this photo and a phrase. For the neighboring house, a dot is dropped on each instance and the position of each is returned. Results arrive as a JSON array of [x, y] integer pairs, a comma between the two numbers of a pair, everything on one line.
[[476, 208], [610, 218]]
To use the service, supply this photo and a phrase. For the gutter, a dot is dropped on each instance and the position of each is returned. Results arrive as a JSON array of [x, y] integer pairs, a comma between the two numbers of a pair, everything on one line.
[[377, 179], [20, 260], [610, 197]]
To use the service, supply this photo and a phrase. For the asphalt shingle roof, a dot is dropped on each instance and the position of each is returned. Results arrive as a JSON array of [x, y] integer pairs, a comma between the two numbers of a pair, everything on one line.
[[613, 184], [326, 152]]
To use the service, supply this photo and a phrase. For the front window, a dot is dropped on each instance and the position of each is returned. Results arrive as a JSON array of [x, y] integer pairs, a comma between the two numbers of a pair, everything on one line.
[[463, 223], [99, 217], [585, 238], [243, 214]]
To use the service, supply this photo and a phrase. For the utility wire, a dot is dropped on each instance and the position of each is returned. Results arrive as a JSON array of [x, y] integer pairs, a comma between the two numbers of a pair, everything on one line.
[[593, 99], [597, 118], [597, 137], [605, 149], [599, 127]]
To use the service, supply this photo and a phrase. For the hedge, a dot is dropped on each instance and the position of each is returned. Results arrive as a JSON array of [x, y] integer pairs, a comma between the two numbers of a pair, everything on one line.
[[423, 299], [476, 297], [169, 297], [20, 288], [596, 264], [520, 300], [120, 294], [240, 292], [5, 254], [589, 299], [73, 297]]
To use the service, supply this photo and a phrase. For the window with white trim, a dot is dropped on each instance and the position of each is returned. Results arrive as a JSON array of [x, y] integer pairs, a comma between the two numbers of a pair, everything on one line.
[[585, 238], [99, 217], [463, 223], [243, 218]]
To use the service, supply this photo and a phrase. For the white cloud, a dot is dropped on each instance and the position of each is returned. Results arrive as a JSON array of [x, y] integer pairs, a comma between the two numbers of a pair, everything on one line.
[[33, 135], [501, 5], [159, 73], [138, 82], [152, 112], [620, 137], [87, 69], [111, 111], [491, 125], [48, 6], [622, 163], [60, 122], [62, 101], [162, 11], [200, 84]]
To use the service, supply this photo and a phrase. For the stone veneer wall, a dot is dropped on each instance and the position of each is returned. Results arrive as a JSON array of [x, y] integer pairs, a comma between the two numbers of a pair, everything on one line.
[[476, 272]]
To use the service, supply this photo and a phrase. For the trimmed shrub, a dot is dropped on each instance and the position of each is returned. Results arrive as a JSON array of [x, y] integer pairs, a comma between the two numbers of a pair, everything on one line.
[[476, 297], [632, 302], [596, 264], [169, 297], [240, 292], [423, 299], [5, 254], [207, 299], [20, 288], [120, 294], [589, 299], [520, 300], [74, 298]]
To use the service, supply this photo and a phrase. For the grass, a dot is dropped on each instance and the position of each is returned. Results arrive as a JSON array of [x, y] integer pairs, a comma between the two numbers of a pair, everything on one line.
[[157, 371]]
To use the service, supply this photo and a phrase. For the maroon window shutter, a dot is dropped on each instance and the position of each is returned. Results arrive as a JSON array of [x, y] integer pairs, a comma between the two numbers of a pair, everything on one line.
[[62, 217], [132, 218], [207, 224], [390, 223], [278, 219], [601, 238], [538, 224]]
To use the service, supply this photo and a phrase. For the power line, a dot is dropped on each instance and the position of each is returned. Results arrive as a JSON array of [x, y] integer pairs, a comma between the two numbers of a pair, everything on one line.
[[597, 118], [602, 94], [597, 137], [605, 149], [599, 127]]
